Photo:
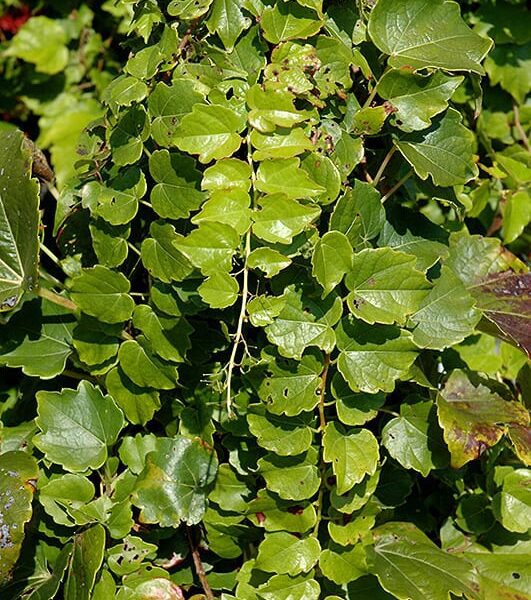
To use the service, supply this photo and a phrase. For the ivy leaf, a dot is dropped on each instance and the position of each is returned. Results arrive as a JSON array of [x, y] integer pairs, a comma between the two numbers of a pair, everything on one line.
[[211, 131], [230, 493], [509, 67], [177, 192], [18, 474], [38, 338], [372, 358], [446, 315], [128, 136], [286, 436], [231, 207], [444, 151], [520, 436], [410, 566], [210, 247], [292, 387], [96, 343], [175, 481], [124, 91], [144, 368], [359, 214], [302, 322], [161, 258], [354, 409], [288, 21], [219, 290], [280, 218], [284, 587], [170, 337], [281, 515], [270, 261], [110, 243], [118, 203], [409, 438], [281, 144], [514, 500], [343, 565], [416, 98], [77, 426], [167, 105], [285, 176], [62, 493], [474, 418], [271, 108], [227, 174], [226, 19], [19, 219], [331, 260], [353, 455], [385, 286], [102, 293], [188, 10], [291, 477], [284, 553], [87, 558], [323, 171], [426, 34]]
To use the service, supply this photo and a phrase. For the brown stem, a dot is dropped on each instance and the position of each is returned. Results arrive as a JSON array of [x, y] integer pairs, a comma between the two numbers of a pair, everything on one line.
[[199, 565], [519, 128], [383, 166], [56, 299], [397, 186]]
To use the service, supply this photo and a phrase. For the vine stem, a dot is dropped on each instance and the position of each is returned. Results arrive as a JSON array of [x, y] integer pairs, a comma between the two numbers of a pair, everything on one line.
[[520, 129], [241, 319], [51, 255], [383, 166], [322, 426], [199, 565], [397, 186], [55, 298]]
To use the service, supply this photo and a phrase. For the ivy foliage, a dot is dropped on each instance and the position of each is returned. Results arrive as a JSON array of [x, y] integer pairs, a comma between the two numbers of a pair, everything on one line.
[[279, 347]]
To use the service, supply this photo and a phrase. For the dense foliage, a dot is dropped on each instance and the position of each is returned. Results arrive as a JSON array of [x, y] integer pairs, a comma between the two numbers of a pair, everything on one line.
[[265, 324]]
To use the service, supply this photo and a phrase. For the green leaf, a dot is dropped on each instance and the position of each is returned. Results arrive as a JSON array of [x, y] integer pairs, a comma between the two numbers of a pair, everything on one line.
[[210, 247], [288, 21], [410, 566], [426, 33], [177, 192], [446, 315], [372, 358], [303, 322], [211, 131], [41, 41], [267, 510], [87, 558], [284, 143], [283, 553], [18, 474], [270, 261], [331, 260], [124, 91], [353, 455], [385, 286], [77, 426], [145, 369], [369, 120], [270, 108], [444, 151], [359, 214], [280, 218], [284, 587], [230, 206], [516, 216], [19, 219], [356, 529], [219, 290], [102, 293], [169, 337], [354, 409], [227, 20], [509, 66], [230, 493], [174, 483], [188, 9], [292, 387], [343, 565], [161, 258], [96, 343], [167, 105], [291, 477], [416, 98], [473, 417], [64, 492], [110, 243], [323, 171], [227, 174], [514, 501], [410, 439], [128, 136], [357, 497], [284, 176], [38, 338], [286, 436]]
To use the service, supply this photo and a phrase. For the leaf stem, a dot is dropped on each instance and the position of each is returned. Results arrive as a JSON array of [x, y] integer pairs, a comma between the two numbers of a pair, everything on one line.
[[241, 319], [520, 129], [322, 426], [55, 298], [51, 255], [199, 565], [134, 249], [383, 166], [397, 186]]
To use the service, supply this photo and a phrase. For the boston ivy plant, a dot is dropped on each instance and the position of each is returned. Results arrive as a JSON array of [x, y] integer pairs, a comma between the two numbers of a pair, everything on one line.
[[279, 349]]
